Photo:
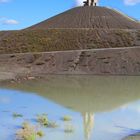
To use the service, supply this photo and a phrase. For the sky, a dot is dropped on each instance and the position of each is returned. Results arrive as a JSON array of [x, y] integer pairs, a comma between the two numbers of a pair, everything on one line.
[[19, 14]]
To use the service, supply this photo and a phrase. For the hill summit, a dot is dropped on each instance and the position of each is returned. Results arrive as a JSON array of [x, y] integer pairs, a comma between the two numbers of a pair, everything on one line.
[[89, 17]]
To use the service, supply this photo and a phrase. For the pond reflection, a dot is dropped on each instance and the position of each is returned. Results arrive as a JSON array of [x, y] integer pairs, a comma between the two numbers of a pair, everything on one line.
[[102, 108]]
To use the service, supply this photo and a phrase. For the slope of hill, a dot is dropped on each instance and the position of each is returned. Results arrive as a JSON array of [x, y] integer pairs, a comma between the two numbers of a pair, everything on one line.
[[89, 17], [78, 28], [67, 39]]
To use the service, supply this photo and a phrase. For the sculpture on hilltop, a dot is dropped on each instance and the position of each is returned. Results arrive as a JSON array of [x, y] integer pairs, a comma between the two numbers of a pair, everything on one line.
[[90, 3]]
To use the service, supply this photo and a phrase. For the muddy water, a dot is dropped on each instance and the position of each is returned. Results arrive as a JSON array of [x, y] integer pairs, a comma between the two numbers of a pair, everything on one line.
[[101, 108]]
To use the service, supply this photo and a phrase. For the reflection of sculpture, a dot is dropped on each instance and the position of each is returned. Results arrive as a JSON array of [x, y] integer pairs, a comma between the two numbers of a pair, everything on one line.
[[88, 120], [90, 2]]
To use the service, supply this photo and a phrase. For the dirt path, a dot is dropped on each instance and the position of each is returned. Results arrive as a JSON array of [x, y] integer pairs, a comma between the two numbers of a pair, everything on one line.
[[101, 49]]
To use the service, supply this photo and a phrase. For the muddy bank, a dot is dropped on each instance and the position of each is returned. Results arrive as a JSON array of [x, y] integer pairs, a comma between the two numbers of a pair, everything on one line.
[[117, 61]]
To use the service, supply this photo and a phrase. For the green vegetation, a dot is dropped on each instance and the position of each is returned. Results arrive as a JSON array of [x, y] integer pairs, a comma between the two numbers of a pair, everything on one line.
[[31, 132], [40, 134], [63, 39], [67, 118], [28, 132], [17, 115], [44, 121]]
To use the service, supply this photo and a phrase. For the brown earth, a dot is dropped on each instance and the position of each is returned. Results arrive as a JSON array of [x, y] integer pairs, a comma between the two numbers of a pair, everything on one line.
[[78, 28], [89, 17], [117, 61], [102, 40], [66, 39]]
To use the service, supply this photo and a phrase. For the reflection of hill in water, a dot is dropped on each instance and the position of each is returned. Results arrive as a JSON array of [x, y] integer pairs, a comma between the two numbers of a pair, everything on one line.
[[85, 93]]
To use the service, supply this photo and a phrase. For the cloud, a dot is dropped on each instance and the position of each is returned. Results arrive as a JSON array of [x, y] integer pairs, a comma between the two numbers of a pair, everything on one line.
[[4, 1], [131, 2], [126, 2], [10, 22], [5, 21], [5, 100], [80, 2]]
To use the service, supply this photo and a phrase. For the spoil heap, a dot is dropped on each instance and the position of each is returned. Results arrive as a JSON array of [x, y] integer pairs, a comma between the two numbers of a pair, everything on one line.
[[86, 27], [89, 17]]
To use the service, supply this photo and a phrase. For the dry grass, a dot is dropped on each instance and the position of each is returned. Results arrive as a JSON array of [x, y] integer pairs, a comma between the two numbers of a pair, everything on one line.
[[63, 39], [44, 121], [28, 132], [17, 115], [67, 118]]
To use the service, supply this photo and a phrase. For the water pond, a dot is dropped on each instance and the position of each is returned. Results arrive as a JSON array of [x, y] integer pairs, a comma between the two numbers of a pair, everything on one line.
[[80, 107]]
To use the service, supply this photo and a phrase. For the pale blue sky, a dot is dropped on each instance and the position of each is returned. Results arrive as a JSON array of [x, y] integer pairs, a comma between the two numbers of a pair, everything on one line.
[[18, 14]]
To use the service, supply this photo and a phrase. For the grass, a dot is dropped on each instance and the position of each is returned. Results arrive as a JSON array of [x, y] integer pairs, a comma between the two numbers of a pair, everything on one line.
[[17, 115], [44, 121], [28, 132], [63, 39], [66, 118], [40, 133]]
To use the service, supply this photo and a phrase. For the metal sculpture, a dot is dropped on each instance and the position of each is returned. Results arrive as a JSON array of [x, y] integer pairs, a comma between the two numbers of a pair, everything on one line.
[[90, 2]]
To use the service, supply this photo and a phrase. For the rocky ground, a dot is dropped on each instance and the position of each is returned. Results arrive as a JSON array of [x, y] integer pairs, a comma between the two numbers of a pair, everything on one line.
[[107, 61]]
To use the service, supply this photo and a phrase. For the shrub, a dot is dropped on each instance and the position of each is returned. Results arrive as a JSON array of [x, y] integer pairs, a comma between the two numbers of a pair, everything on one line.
[[28, 132], [66, 118]]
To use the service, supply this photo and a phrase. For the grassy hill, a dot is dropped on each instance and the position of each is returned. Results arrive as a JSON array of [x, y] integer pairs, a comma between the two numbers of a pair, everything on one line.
[[65, 39]]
